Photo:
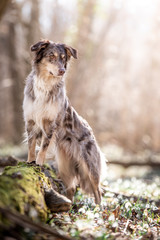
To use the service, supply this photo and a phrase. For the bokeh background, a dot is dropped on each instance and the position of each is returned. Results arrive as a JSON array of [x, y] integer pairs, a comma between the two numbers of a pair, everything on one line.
[[114, 84]]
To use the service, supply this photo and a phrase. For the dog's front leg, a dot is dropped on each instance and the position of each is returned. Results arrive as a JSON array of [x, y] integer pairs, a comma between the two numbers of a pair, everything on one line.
[[48, 128], [31, 141]]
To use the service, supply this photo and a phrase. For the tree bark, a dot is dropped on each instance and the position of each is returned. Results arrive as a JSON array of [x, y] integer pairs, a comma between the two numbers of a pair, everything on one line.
[[17, 86]]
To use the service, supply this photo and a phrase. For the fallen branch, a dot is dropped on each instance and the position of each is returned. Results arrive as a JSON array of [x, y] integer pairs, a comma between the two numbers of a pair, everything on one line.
[[8, 161], [129, 164], [23, 221], [133, 160]]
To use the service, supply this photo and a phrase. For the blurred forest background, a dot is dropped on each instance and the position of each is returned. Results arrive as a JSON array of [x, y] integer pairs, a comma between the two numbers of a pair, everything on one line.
[[114, 84]]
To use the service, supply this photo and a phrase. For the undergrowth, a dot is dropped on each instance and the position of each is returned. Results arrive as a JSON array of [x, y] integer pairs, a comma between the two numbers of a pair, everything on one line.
[[118, 217]]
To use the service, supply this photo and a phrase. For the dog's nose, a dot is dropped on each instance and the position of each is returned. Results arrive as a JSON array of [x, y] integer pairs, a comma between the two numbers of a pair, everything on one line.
[[61, 71]]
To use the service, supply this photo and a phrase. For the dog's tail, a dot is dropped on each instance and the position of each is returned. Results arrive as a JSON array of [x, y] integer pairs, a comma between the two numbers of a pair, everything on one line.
[[93, 174], [97, 186]]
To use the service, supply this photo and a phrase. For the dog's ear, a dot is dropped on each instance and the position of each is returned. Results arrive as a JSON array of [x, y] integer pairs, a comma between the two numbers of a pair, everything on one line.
[[71, 51], [39, 45]]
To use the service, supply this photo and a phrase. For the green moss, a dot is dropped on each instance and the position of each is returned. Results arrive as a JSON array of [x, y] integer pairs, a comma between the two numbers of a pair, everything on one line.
[[52, 173], [22, 188]]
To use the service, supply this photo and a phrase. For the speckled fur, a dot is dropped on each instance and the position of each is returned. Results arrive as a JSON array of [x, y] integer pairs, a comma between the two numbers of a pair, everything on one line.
[[50, 118]]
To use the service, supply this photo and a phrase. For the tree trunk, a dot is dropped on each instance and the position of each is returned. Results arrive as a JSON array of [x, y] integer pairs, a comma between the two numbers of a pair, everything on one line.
[[17, 84], [3, 6]]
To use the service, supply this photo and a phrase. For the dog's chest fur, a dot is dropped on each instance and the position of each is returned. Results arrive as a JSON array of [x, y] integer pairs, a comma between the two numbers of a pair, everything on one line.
[[42, 101]]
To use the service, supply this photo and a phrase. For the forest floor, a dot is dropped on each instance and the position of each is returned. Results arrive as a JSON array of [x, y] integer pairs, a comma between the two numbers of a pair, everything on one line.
[[132, 212], [130, 209]]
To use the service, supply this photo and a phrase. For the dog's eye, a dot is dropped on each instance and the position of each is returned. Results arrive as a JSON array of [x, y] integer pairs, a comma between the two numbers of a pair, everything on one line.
[[63, 57], [52, 57]]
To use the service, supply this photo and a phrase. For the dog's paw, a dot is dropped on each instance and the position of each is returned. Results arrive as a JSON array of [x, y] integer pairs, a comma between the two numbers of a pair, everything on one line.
[[39, 163], [31, 163]]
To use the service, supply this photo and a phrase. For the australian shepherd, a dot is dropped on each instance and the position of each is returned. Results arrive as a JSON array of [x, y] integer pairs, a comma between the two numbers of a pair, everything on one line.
[[51, 121]]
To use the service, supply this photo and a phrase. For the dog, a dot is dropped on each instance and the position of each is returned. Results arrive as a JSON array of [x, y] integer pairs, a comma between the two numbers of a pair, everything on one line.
[[51, 120]]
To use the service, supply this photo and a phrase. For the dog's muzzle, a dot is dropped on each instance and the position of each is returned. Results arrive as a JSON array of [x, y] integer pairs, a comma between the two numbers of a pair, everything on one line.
[[61, 71]]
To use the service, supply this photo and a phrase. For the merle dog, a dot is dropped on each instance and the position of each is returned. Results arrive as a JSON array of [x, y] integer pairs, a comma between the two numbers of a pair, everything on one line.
[[51, 120]]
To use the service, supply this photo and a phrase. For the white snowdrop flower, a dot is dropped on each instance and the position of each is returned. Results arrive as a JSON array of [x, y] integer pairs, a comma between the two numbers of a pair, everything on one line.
[[120, 196], [128, 205], [100, 221], [146, 225], [145, 213], [156, 193], [33, 213], [119, 181], [80, 224], [96, 215], [150, 219], [73, 231], [138, 208], [97, 209], [115, 225], [105, 183], [127, 184], [107, 194], [90, 215], [138, 216], [81, 210], [111, 217], [148, 205]]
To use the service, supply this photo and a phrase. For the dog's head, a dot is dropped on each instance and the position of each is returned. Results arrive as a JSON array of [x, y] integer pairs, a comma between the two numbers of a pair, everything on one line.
[[52, 58]]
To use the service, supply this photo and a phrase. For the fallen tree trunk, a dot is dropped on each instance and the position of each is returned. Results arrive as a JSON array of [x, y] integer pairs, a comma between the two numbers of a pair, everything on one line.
[[32, 190], [18, 221], [134, 160], [135, 163]]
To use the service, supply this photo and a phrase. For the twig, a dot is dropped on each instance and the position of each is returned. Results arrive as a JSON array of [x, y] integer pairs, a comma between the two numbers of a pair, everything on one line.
[[127, 223]]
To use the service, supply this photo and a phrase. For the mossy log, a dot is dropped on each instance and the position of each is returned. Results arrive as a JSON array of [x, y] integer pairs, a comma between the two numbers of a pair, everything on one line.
[[32, 190]]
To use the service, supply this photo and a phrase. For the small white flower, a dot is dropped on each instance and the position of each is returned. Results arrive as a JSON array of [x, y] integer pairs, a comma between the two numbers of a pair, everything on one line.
[[150, 219], [80, 224], [111, 217], [138, 216], [148, 205], [115, 225], [96, 215], [33, 213], [146, 225], [128, 205], [100, 221], [90, 215], [81, 210], [73, 231]]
